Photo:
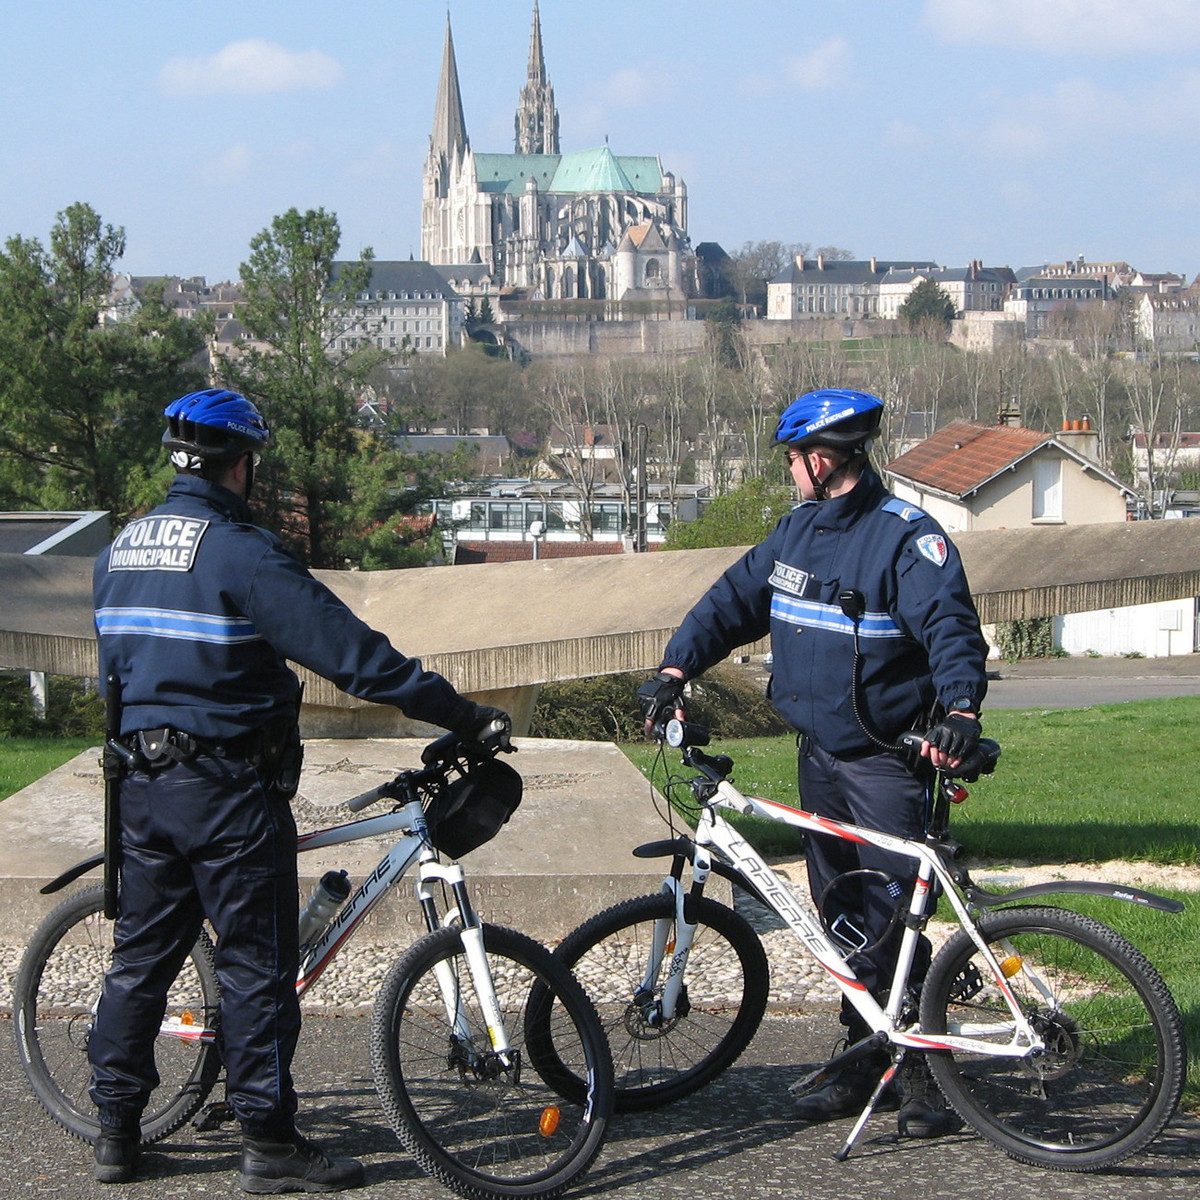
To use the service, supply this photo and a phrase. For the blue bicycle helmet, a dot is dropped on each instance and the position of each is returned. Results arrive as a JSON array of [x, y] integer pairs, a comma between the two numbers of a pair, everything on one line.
[[213, 424], [842, 419]]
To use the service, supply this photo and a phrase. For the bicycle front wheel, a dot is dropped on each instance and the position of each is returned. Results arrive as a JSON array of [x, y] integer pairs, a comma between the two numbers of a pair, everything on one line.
[[659, 1059], [55, 996], [1114, 1060], [482, 1122]]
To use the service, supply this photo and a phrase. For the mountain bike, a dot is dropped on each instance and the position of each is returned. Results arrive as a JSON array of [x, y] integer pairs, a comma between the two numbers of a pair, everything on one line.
[[1049, 1033], [461, 1031]]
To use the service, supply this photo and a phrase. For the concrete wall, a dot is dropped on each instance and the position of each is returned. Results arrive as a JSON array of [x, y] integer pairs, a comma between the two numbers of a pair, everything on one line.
[[1152, 630]]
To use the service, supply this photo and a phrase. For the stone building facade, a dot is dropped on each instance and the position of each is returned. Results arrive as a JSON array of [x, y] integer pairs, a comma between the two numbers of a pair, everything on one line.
[[544, 225]]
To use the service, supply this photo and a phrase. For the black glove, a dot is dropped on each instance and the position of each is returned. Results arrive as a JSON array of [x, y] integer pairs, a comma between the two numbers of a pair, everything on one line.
[[955, 735], [473, 723], [660, 695]]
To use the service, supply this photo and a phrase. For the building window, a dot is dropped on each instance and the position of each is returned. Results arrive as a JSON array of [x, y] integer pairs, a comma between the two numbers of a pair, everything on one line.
[[1047, 489]]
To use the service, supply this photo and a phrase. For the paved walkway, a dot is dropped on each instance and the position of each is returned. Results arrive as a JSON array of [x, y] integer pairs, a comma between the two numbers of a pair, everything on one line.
[[735, 1140]]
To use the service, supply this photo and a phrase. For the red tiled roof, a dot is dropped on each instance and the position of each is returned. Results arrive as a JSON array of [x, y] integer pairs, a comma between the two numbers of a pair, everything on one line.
[[965, 454]]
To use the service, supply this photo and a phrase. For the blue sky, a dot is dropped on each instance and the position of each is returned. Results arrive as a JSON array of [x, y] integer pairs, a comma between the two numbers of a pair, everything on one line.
[[1014, 131]]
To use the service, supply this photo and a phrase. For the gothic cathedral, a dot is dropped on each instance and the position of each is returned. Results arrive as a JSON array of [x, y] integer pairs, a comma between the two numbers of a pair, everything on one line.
[[544, 225]]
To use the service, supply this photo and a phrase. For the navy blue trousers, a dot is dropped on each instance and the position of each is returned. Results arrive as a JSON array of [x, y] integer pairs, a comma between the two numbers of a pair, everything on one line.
[[207, 838], [882, 792]]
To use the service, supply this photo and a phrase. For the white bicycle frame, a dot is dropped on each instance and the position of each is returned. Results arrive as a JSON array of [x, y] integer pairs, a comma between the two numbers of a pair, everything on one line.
[[713, 831], [412, 846]]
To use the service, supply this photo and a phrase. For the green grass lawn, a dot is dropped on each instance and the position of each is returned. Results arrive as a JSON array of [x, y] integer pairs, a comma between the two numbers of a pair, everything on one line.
[[22, 760], [1074, 786]]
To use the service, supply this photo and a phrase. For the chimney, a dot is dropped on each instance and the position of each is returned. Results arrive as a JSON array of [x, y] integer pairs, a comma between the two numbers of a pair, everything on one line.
[[1010, 415], [820, 262], [800, 262], [874, 265], [1078, 435]]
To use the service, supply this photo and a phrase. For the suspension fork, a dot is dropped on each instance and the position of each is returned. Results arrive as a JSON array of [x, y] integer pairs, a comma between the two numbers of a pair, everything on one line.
[[673, 936], [471, 934]]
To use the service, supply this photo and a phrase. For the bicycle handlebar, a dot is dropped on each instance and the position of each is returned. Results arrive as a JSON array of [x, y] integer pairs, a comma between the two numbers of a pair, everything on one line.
[[438, 757], [981, 761]]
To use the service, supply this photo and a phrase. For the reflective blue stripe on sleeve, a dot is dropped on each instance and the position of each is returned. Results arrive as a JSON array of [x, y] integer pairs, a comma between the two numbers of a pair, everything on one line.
[[171, 623], [829, 617]]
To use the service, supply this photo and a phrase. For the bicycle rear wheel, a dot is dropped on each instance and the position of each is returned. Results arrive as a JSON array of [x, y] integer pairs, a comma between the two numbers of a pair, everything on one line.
[[1114, 1061], [720, 1008], [55, 995], [480, 1124]]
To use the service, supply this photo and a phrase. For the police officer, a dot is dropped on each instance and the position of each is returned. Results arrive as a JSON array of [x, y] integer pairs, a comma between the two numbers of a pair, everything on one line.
[[851, 570], [197, 613]]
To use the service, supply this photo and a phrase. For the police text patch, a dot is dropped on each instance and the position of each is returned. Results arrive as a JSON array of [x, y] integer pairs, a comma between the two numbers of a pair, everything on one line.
[[162, 543], [933, 546], [789, 579]]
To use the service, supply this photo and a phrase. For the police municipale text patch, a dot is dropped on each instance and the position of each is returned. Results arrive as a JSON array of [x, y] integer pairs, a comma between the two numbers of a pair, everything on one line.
[[162, 543], [933, 546]]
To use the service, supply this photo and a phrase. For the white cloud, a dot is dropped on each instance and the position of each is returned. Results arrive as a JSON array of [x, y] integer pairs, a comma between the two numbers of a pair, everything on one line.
[[1104, 27], [631, 88], [819, 69], [250, 68], [234, 164], [904, 135], [1079, 114]]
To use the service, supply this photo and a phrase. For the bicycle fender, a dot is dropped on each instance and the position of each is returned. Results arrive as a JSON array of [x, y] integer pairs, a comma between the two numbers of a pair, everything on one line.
[[73, 873], [1079, 887], [683, 847]]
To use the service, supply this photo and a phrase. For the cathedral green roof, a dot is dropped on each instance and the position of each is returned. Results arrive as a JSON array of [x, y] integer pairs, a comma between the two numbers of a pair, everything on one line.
[[596, 170]]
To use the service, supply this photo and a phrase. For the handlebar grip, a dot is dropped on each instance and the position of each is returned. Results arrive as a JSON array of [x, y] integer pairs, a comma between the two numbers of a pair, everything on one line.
[[366, 799]]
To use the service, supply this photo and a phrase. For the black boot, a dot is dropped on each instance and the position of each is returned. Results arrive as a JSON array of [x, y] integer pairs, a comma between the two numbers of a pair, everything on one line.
[[116, 1156], [846, 1092], [923, 1109], [294, 1165]]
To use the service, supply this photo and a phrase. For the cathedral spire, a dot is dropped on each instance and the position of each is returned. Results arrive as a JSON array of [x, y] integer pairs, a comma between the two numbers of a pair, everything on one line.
[[537, 118], [449, 137]]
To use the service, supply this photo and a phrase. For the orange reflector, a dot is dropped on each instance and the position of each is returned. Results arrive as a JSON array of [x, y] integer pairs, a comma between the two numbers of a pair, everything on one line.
[[1011, 965], [670, 947], [186, 1018], [548, 1125]]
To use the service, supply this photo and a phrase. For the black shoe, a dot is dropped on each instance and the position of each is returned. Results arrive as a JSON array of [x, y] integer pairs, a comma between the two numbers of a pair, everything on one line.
[[116, 1157], [923, 1109], [296, 1165], [845, 1095]]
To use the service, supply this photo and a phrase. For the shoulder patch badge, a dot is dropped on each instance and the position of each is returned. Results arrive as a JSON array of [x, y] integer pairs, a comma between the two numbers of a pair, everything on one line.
[[903, 510], [157, 543], [933, 547]]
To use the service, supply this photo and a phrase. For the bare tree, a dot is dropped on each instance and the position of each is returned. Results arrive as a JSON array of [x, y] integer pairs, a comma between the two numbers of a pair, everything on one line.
[[1098, 331], [566, 394], [673, 393], [1157, 398], [755, 404]]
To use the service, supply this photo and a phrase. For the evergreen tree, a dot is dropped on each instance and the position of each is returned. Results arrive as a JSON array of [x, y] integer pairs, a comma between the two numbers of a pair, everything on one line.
[[927, 307], [315, 475], [83, 386]]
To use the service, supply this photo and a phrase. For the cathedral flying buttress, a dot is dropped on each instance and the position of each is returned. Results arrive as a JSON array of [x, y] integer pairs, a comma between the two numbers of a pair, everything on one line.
[[544, 225]]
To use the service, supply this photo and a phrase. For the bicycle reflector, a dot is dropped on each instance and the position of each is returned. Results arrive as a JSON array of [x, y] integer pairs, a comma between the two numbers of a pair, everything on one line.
[[469, 811]]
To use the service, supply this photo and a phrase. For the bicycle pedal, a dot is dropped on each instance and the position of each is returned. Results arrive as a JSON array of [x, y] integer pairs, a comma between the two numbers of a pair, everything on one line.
[[214, 1115], [808, 1083]]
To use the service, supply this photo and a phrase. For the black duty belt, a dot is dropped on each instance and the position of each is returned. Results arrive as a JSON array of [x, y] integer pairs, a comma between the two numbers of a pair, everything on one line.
[[164, 746]]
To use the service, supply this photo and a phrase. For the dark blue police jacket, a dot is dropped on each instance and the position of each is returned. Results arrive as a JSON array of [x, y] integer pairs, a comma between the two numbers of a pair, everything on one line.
[[919, 637], [198, 611]]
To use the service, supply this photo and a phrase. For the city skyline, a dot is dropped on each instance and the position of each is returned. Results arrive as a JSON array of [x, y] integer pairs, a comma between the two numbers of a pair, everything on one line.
[[1002, 130]]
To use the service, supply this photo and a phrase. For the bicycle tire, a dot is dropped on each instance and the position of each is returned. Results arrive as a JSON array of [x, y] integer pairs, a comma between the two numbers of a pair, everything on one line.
[[1115, 1058], [55, 994], [483, 1129], [722, 1004]]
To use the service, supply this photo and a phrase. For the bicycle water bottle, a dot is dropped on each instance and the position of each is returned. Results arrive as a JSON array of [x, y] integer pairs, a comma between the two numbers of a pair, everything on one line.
[[328, 896]]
